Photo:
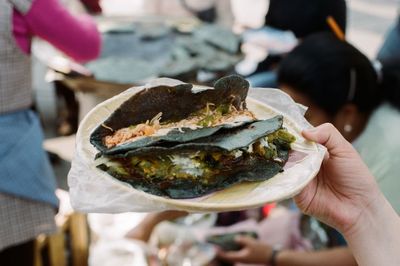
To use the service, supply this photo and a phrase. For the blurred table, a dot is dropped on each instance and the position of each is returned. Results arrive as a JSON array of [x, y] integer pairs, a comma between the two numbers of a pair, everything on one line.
[[135, 50]]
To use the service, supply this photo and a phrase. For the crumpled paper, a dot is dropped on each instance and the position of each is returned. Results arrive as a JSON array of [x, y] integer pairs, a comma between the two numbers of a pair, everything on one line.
[[93, 190]]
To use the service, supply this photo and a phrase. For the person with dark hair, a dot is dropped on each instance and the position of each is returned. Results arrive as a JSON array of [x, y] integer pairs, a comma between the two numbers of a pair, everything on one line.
[[302, 18], [341, 86], [305, 17]]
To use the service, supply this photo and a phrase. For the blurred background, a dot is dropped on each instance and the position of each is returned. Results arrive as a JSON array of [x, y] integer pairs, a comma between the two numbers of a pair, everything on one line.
[[368, 21], [197, 42]]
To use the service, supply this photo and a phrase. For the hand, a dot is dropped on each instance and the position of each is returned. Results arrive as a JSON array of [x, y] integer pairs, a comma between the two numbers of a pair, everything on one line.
[[166, 215], [143, 230], [343, 188], [253, 251]]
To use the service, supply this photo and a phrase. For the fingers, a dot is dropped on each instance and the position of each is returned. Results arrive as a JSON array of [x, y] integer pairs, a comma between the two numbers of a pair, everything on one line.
[[237, 255], [327, 135], [244, 240]]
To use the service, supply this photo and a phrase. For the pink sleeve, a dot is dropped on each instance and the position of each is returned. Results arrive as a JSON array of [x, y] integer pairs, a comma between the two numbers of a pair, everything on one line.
[[77, 37]]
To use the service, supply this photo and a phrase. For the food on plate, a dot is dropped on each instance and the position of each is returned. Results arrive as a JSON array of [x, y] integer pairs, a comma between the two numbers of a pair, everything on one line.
[[173, 114], [185, 142]]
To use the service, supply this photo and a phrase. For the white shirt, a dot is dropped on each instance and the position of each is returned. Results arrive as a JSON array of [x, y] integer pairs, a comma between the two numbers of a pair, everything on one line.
[[379, 147]]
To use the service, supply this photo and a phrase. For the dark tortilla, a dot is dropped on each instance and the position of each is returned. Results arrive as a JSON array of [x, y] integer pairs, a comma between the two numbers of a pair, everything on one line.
[[223, 140], [175, 103], [115, 70], [174, 136], [247, 168], [147, 164], [221, 38], [207, 56]]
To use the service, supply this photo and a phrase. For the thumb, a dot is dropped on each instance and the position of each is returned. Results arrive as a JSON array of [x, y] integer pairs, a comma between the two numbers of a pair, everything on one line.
[[328, 136]]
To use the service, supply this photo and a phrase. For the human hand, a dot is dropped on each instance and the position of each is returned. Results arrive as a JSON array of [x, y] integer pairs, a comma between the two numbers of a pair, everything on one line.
[[166, 216], [343, 188], [253, 251], [144, 229]]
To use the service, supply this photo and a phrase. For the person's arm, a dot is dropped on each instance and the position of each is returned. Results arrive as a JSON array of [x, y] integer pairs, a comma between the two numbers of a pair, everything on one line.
[[375, 237], [77, 37], [329, 257], [345, 195], [259, 253], [144, 229]]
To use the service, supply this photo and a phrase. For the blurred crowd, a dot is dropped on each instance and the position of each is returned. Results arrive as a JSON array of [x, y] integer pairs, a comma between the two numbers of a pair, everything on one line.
[[305, 53]]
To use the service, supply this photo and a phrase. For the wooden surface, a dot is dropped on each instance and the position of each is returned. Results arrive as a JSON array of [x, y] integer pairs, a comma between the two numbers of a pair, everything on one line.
[[74, 225]]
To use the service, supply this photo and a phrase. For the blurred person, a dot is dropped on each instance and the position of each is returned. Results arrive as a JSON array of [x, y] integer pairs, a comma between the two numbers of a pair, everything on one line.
[[390, 49], [344, 195], [27, 200], [67, 103], [305, 17], [302, 17], [340, 85]]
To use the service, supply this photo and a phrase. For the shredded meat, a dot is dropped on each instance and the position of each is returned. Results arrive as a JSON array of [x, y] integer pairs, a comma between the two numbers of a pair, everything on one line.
[[125, 134], [151, 127]]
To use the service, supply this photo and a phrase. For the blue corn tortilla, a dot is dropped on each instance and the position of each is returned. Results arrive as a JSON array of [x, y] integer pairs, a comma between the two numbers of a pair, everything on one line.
[[175, 103], [181, 135], [247, 168], [149, 164], [223, 140]]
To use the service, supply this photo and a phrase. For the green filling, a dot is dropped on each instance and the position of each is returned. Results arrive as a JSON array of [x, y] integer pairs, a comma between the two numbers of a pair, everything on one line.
[[210, 114], [210, 163], [281, 138]]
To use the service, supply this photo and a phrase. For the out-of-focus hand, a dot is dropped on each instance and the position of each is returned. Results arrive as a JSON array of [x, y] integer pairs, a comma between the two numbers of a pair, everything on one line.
[[343, 188], [158, 217], [143, 230], [253, 251], [167, 215]]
